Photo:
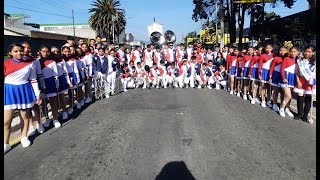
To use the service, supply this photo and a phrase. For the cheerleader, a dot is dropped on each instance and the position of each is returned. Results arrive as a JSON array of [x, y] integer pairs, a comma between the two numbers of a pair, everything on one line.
[[288, 81], [263, 71], [239, 72], [50, 75], [74, 76], [231, 67], [36, 109], [64, 80], [245, 71], [21, 92], [275, 77], [253, 74], [87, 60], [306, 82], [81, 68]]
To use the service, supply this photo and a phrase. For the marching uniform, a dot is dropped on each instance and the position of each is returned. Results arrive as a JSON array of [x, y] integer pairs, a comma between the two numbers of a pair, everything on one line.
[[210, 57], [148, 58], [153, 77], [172, 78], [264, 67], [169, 54], [126, 79], [202, 76], [157, 57], [220, 78], [135, 57], [20, 84], [211, 79], [180, 55], [193, 74], [128, 57], [184, 75], [113, 65], [275, 71], [287, 71], [203, 57], [163, 76], [141, 76], [121, 56], [189, 53]]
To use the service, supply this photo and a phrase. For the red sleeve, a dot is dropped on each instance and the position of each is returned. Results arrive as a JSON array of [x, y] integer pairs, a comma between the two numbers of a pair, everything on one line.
[[227, 59], [133, 57], [284, 65], [273, 64], [239, 59], [216, 73], [244, 60], [252, 62], [161, 71], [144, 55], [119, 57], [260, 64]]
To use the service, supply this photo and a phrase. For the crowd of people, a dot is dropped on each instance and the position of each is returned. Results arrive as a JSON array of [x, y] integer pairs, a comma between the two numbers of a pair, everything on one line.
[[258, 74]]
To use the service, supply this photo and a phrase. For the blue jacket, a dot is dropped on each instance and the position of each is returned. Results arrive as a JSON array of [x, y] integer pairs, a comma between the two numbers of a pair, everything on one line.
[[103, 68]]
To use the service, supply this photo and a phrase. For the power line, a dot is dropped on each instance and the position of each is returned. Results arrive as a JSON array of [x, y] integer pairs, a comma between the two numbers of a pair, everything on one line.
[[38, 11], [32, 6]]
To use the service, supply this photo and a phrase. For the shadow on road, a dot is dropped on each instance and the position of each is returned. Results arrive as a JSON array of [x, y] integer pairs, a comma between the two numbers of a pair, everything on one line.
[[175, 170]]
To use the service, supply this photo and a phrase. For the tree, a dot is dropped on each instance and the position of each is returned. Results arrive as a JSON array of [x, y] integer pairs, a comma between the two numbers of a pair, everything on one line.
[[103, 14], [192, 34]]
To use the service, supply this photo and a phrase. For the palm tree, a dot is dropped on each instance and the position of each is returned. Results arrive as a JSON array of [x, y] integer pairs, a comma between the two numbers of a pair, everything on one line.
[[103, 13]]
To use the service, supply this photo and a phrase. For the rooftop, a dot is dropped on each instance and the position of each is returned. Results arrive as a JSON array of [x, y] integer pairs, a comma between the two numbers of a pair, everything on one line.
[[17, 15], [63, 24]]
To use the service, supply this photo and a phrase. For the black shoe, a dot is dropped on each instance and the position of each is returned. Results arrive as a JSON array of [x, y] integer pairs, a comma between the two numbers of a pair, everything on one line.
[[304, 118], [297, 117]]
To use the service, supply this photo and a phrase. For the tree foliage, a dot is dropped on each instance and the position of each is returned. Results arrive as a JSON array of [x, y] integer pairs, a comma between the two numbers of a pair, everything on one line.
[[101, 19]]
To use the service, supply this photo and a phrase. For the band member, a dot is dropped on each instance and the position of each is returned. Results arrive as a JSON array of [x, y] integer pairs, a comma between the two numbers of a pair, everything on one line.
[[169, 53], [148, 56], [125, 77], [193, 74], [114, 65], [210, 55], [163, 76], [288, 69], [121, 54], [225, 52], [141, 76], [128, 55], [275, 77], [306, 82], [203, 75], [181, 54], [158, 56], [184, 73], [153, 76], [212, 70], [135, 55], [172, 80], [220, 77], [263, 71], [153, 49], [112, 46], [203, 55], [189, 50], [102, 69]]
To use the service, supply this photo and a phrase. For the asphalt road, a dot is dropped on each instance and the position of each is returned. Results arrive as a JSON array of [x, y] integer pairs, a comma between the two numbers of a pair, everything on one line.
[[170, 134]]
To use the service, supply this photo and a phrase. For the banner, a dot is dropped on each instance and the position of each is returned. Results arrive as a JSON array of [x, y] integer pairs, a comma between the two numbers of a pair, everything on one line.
[[252, 1]]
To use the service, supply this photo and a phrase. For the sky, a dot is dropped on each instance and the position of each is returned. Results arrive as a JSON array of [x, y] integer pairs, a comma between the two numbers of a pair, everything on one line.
[[175, 15]]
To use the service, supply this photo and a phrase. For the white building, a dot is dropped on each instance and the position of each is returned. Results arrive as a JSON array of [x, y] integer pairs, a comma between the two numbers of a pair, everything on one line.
[[81, 29]]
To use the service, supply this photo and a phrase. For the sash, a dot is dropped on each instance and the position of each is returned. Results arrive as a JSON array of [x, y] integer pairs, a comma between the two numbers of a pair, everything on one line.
[[306, 70]]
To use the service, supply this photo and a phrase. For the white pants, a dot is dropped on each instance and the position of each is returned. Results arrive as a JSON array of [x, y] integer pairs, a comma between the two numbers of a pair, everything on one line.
[[183, 79], [111, 80], [173, 80], [211, 80], [155, 81], [191, 78], [198, 78], [220, 81], [127, 82], [164, 80], [141, 80]]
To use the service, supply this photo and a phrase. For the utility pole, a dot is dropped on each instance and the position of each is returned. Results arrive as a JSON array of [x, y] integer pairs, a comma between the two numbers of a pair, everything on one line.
[[221, 26], [251, 23], [74, 31], [113, 29], [216, 6]]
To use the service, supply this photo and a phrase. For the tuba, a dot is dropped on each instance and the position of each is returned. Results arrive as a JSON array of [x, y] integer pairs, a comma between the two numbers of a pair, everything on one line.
[[159, 39]]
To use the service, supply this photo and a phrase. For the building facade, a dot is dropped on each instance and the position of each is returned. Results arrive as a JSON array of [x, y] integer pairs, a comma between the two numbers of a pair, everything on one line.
[[81, 29]]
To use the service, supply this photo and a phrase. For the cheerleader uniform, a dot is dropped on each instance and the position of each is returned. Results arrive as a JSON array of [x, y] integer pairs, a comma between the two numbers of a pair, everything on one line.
[[73, 71], [81, 69], [264, 66], [232, 63], [246, 63], [288, 68], [239, 67], [50, 73], [20, 84], [253, 71], [307, 81], [275, 71], [64, 80]]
